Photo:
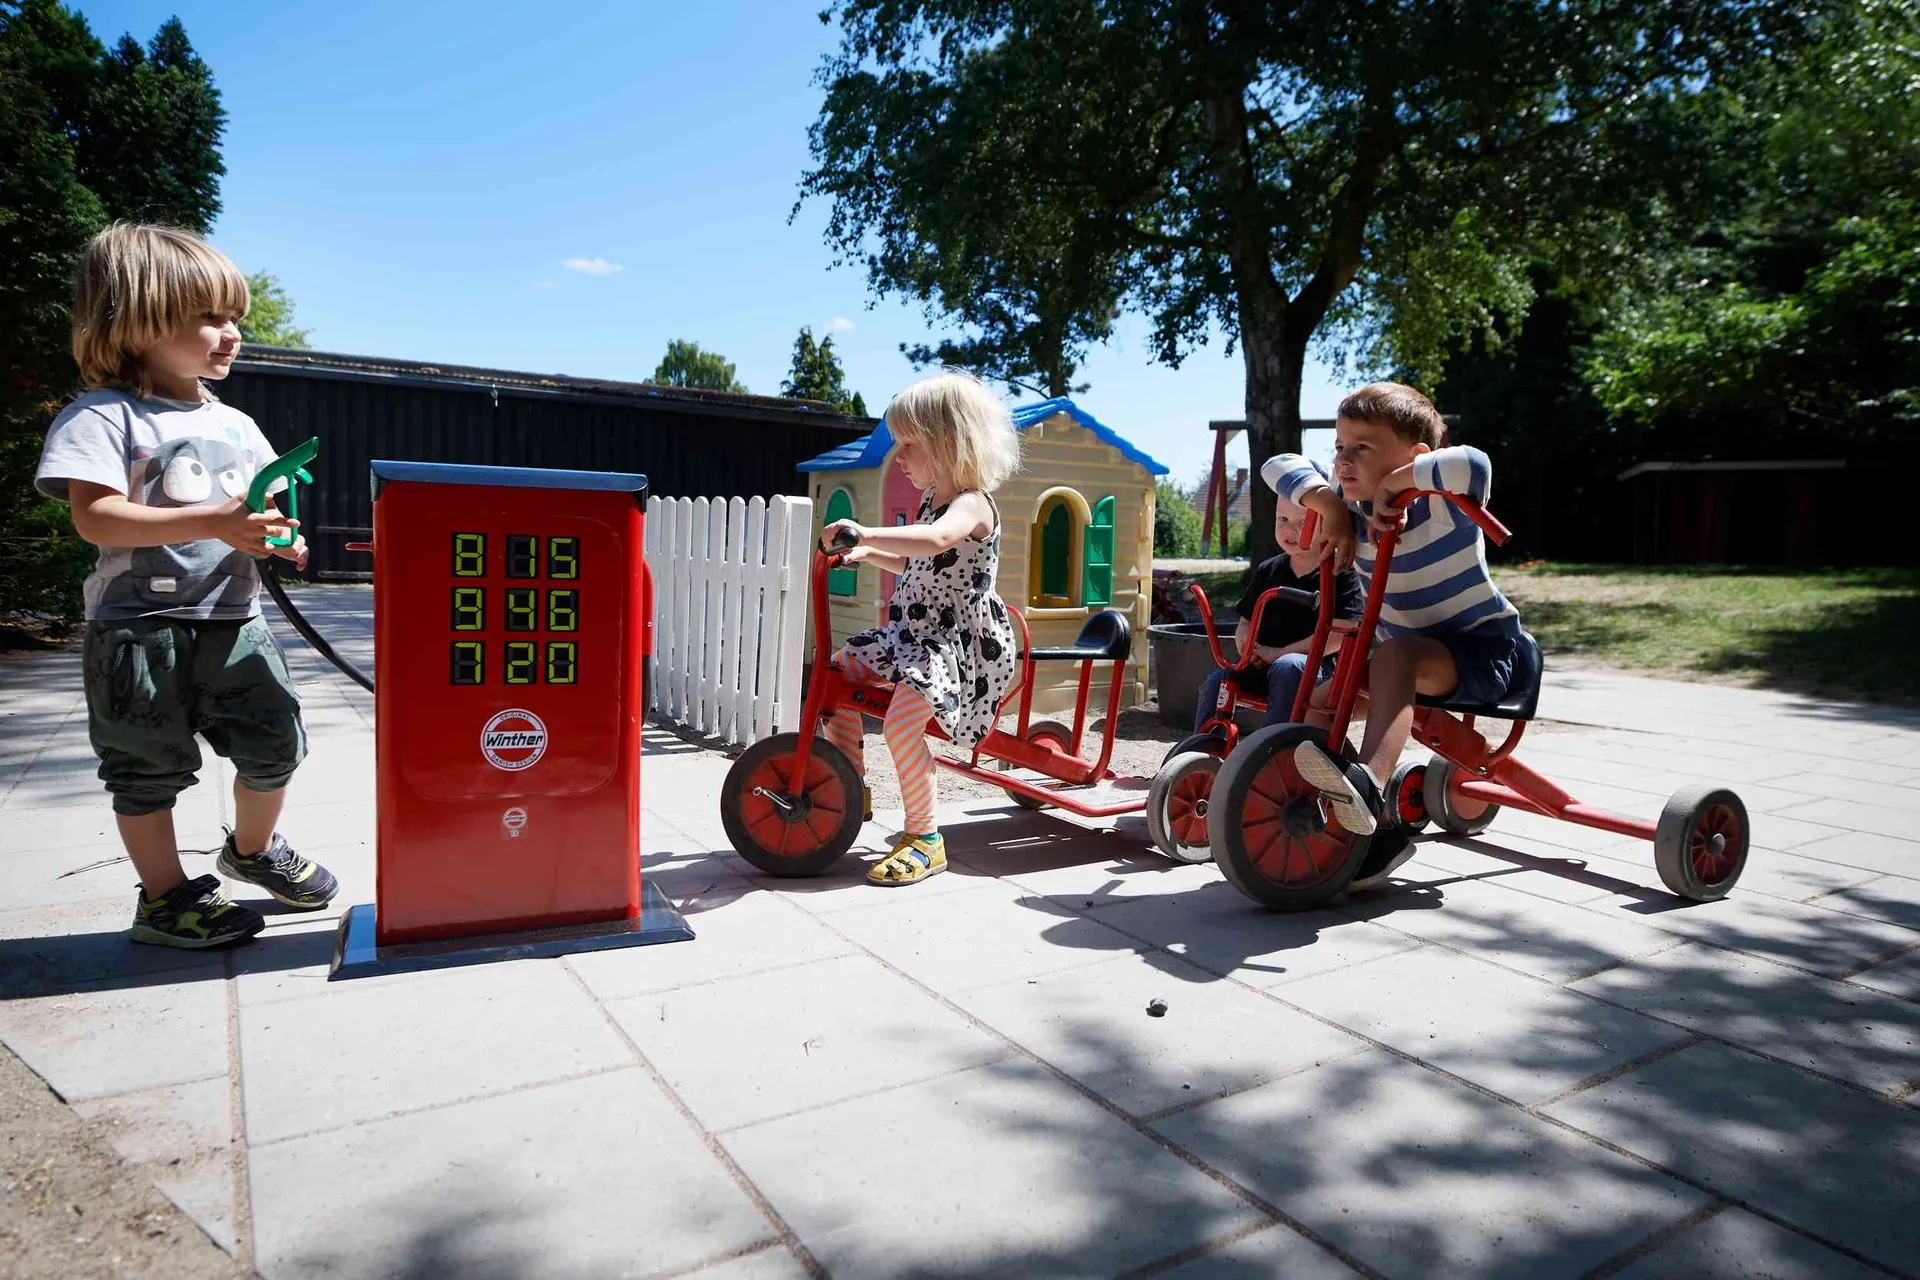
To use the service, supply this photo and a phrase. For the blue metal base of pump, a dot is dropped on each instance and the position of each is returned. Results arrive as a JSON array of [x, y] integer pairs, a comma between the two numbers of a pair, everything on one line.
[[355, 955]]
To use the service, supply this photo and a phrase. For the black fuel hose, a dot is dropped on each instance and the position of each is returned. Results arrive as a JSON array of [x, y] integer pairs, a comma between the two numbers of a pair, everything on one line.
[[270, 575]]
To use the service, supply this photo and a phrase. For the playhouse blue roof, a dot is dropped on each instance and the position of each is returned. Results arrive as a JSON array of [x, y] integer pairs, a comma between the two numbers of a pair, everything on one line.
[[871, 450]]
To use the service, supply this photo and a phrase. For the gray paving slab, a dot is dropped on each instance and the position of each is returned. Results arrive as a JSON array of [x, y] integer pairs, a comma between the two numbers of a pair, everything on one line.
[[1832, 1027], [978, 938], [1806, 935], [748, 933], [94, 1043], [1895, 899], [1563, 875], [749, 1048], [75, 946], [1092, 1023], [1899, 976], [1863, 849], [1273, 1253], [1737, 1245], [1547, 939], [1415, 1175], [1518, 1036], [1220, 931], [1012, 1173], [1899, 824], [494, 1187], [775, 1263], [367, 1051], [1836, 1163]]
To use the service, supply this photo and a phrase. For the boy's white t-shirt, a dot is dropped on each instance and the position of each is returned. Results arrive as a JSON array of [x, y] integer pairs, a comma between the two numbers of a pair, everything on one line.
[[161, 453]]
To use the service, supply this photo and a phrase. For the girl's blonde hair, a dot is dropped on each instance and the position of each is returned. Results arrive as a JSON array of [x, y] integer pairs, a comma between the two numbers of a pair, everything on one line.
[[134, 286], [964, 428]]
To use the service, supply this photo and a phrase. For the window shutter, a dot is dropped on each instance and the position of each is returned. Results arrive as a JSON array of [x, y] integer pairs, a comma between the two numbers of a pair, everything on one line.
[[841, 582], [1099, 555]]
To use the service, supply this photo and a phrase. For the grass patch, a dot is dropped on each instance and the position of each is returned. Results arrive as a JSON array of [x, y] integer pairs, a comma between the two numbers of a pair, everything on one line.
[[1838, 631], [1847, 632]]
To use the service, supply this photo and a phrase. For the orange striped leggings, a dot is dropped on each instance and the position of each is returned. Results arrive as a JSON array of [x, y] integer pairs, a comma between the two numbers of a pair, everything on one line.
[[906, 730]]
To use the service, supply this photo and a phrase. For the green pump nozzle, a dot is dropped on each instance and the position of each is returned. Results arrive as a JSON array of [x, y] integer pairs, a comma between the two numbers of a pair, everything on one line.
[[291, 467]]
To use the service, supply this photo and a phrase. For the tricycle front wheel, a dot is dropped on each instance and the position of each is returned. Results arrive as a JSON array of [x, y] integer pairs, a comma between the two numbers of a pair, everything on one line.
[[1272, 834], [791, 834]]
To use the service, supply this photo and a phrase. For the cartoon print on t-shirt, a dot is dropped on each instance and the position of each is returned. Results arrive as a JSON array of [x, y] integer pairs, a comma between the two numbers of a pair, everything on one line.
[[189, 472]]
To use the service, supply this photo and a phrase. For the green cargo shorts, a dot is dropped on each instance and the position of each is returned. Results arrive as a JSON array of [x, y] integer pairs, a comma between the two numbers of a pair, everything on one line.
[[153, 683]]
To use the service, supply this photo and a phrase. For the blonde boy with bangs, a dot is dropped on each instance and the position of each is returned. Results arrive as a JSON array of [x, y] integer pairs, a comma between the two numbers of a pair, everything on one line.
[[155, 471]]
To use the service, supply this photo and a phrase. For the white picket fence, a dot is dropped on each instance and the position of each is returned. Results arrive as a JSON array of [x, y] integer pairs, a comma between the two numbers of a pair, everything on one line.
[[730, 612]]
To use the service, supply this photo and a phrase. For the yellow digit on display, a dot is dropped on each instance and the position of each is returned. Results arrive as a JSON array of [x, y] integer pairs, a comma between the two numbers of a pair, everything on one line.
[[561, 665], [520, 608], [520, 662], [469, 609], [563, 558], [469, 555], [563, 610]]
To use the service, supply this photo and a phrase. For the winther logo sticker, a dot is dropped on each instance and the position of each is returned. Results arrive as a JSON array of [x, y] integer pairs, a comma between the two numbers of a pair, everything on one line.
[[514, 740]]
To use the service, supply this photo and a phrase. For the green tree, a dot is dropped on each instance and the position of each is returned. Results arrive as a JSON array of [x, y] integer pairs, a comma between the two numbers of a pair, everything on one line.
[[269, 318], [1372, 175], [1176, 525], [686, 365], [1795, 319], [817, 375], [63, 173]]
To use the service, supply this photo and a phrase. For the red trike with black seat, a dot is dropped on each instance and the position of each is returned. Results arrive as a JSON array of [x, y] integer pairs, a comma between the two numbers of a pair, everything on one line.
[[1276, 841], [791, 804]]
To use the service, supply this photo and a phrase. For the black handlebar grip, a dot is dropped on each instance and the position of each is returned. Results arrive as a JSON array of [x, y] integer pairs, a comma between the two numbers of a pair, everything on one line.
[[845, 539]]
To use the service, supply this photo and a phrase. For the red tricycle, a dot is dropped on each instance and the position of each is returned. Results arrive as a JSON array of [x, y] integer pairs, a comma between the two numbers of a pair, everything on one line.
[[791, 804], [1277, 842]]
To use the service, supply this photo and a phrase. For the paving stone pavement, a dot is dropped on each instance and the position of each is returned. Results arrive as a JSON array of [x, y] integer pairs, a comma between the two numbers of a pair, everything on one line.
[[1523, 1059]]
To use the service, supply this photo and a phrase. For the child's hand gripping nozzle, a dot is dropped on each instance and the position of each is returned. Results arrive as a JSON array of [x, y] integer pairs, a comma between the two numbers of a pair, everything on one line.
[[291, 467]]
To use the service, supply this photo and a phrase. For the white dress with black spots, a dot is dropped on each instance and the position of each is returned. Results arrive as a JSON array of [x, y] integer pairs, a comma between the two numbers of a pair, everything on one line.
[[947, 634]]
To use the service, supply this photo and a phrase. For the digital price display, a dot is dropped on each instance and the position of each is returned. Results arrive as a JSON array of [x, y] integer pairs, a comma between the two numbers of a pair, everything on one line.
[[511, 616]]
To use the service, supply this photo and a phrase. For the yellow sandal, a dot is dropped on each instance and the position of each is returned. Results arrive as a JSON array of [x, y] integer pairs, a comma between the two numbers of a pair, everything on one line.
[[913, 859]]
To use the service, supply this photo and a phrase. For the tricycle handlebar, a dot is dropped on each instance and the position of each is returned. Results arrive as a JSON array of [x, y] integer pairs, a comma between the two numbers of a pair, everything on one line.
[[1471, 508], [1311, 599]]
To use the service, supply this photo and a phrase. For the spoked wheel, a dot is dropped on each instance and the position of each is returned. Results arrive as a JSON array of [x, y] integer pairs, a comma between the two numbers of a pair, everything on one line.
[[791, 834], [1040, 731], [1700, 846], [1407, 790], [1272, 835], [1177, 805], [1214, 744], [1457, 814]]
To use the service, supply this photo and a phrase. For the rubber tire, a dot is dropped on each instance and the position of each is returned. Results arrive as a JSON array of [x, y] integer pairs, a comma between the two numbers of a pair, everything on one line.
[[1227, 836], [1061, 733], [1161, 792], [1673, 854], [1410, 773], [1213, 744], [1440, 805], [733, 792]]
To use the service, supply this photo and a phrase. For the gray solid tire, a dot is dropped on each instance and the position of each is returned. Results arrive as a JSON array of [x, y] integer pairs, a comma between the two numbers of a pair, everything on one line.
[[1440, 805], [1684, 849], [1161, 792], [1039, 729]]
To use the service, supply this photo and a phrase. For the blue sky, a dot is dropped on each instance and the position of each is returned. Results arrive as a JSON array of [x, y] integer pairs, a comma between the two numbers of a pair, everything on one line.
[[564, 188]]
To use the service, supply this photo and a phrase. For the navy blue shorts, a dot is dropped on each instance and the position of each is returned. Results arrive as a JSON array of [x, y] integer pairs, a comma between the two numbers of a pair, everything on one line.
[[1490, 660]]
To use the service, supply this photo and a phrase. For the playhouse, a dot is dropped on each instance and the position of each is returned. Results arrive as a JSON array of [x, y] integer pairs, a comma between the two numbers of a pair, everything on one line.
[[1077, 536]]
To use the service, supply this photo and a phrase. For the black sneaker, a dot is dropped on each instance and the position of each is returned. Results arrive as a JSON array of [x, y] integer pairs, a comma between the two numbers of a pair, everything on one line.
[[194, 915], [296, 881]]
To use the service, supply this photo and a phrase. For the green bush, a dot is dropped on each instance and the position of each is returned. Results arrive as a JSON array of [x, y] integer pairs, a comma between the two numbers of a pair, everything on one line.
[[1176, 525]]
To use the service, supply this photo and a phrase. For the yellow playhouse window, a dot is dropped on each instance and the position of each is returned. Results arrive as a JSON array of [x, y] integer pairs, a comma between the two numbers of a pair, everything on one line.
[[1055, 578], [840, 582]]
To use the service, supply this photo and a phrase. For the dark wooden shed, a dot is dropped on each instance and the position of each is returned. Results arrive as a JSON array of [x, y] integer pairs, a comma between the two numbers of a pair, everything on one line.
[[1762, 512], [687, 443]]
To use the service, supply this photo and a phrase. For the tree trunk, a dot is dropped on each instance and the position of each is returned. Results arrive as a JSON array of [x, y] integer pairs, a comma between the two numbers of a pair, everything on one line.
[[1275, 363]]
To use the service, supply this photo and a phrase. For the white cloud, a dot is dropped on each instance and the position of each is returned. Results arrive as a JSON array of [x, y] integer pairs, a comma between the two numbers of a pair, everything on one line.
[[840, 324], [591, 266], [541, 284]]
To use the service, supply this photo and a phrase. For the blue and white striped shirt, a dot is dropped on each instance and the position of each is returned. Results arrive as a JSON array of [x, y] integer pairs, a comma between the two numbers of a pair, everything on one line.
[[1438, 581]]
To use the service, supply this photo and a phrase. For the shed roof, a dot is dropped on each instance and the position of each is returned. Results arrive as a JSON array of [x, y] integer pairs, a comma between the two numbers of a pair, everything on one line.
[[871, 450], [333, 364]]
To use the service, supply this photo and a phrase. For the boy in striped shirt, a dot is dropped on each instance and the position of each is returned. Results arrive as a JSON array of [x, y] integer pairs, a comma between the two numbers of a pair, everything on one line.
[[1445, 630]]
